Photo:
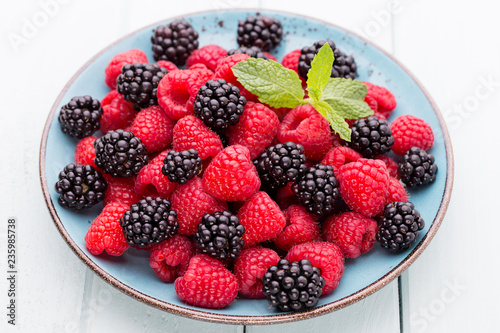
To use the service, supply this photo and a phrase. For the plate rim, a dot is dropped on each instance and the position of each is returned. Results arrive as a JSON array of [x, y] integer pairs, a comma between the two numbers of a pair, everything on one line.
[[205, 315]]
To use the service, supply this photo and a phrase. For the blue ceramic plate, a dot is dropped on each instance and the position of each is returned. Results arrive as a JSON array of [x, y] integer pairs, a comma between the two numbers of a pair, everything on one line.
[[131, 272]]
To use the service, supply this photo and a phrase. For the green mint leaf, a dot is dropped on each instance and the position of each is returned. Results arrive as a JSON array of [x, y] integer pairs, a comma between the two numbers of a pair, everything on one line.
[[273, 84], [344, 88], [319, 74], [337, 122], [350, 108]]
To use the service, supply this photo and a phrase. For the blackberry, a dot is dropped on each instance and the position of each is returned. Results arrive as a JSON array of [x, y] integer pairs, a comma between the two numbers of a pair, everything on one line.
[[252, 51], [219, 104], [317, 189], [417, 167], [293, 286], [174, 42], [220, 235], [150, 221], [182, 166], [285, 162], [371, 136], [80, 186], [138, 83], [266, 180], [81, 116], [261, 31], [343, 65], [399, 226], [120, 153]]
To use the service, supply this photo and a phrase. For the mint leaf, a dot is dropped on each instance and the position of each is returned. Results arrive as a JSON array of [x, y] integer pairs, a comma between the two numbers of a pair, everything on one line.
[[350, 108], [273, 84], [319, 74], [337, 122], [344, 88]]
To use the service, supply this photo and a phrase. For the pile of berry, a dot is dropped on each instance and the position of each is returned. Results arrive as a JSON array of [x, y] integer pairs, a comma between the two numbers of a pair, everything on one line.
[[230, 195]]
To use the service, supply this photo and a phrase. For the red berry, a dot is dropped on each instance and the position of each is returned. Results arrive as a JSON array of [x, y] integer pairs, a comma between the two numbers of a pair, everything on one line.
[[109, 97], [280, 112], [372, 103], [170, 258], [262, 219], [354, 233], [120, 190], [105, 232], [115, 65], [85, 152], [410, 131], [386, 101], [207, 283], [397, 191], [191, 202], [191, 132], [224, 71], [324, 255], [306, 126], [301, 227], [250, 267], [255, 130], [291, 61], [391, 165], [117, 113], [154, 128], [170, 66], [285, 197], [338, 156], [151, 181], [231, 176], [208, 55], [364, 186]]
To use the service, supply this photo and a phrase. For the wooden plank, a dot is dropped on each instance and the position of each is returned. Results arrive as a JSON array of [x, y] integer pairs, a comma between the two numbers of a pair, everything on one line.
[[453, 284]]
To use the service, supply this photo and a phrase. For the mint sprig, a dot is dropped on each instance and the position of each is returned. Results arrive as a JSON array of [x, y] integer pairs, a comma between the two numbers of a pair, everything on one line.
[[336, 99]]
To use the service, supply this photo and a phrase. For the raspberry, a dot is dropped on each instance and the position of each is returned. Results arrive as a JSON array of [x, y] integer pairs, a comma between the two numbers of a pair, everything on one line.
[[386, 101], [338, 156], [168, 65], [300, 228], [364, 186], [120, 153], [170, 258], [120, 190], [280, 112], [154, 128], [114, 67], [352, 232], [256, 129], [207, 283], [178, 89], [174, 42], [250, 267], [417, 167], [138, 84], [371, 136], [392, 166], [410, 131], [399, 226], [85, 152], [261, 31], [219, 104], [151, 182], [220, 235], [324, 255], [80, 186], [231, 176], [191, 203], [317, 189], [181, 166], [117, 113], [343, 65], [291, 61], [262, 219], [306, 126], [149, 221], [252, 51], [224, 71], [191, 132], [372, 102], [208, 55], [285, 197], [105, 233], [396, 192], [81, 116]]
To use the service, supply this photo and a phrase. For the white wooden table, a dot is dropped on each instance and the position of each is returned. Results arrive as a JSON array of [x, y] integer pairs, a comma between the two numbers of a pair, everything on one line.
[[452, 47]]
